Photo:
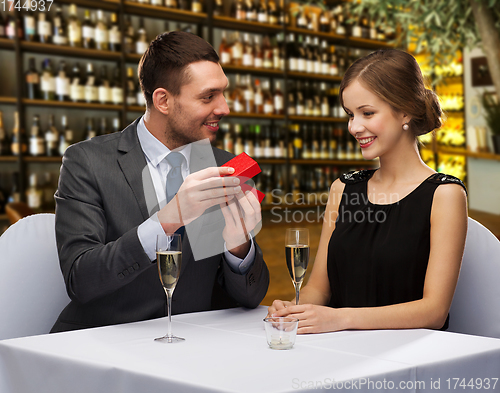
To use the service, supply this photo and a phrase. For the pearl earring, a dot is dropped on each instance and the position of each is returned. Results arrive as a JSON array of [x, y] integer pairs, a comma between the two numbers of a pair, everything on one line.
[[406, 127]]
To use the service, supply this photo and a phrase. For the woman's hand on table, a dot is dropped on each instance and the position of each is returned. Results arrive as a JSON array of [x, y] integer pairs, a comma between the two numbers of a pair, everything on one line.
[[312, 318]]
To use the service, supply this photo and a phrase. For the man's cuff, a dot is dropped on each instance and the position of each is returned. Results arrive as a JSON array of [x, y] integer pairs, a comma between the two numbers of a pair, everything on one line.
[[239, 265], [147, 233]]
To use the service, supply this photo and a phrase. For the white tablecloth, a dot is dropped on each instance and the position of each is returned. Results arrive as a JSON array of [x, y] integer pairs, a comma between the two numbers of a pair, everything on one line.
[[226, 351]]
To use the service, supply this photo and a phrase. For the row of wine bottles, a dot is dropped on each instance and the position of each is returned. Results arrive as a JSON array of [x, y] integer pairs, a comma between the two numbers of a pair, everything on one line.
[[307, 54], [250, 95], [94, 32], [51, 141], [315, 142], [91, 87], [336, 19]]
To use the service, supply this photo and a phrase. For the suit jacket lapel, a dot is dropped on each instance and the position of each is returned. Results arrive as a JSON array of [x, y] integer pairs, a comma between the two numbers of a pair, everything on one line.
[[134, 167]]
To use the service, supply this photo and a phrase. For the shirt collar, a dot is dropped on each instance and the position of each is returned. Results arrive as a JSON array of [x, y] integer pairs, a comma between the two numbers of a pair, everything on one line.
[[154, 150]]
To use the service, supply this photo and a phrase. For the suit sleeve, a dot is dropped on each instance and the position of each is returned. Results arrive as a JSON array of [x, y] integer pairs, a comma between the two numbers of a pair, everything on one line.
[[92, 265], [247, 289]]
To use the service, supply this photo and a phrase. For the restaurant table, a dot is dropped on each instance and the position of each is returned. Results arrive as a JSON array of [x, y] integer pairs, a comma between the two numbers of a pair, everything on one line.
[[226, 351]]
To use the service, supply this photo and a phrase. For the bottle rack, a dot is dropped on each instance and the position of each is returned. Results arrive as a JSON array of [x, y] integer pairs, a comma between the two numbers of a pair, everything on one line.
[[205, 22]]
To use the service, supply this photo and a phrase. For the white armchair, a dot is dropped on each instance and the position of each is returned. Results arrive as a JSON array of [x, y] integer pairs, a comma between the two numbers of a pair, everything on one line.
[[476, 304], [32, 290]]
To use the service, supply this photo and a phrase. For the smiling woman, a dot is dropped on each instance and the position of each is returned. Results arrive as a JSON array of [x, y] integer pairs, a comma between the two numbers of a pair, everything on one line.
[[400, 270]]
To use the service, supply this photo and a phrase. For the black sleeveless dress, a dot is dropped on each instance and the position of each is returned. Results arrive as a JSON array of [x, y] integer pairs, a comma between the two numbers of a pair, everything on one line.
[[378, 254]]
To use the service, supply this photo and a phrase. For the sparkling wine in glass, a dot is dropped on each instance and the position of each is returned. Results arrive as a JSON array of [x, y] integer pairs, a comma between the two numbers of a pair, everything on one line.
[[297, 256], [169, 261]]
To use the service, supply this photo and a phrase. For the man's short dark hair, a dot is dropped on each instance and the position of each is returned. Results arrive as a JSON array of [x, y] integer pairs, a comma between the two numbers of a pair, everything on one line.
[[164, 62]]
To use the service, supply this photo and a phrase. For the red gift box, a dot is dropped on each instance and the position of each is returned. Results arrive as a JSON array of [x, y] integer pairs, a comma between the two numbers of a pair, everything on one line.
[[247, 167], [243, 166]]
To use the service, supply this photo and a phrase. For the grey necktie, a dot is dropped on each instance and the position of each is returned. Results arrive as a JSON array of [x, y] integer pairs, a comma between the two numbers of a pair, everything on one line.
[[174, 177]]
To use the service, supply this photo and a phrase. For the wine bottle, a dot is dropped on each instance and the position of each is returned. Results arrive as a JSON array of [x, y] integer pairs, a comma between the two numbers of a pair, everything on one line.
[[301, 20], [291, 98], [299, 100], [103, 86], [272, 13], [279, 143], [324, 21], [74, 27], [129, 36], [47, 81], [34, 194], [90, 89], [306, 142], [267, 146], [90, 130], [238, 138], [66, 138], [293, 55], [52, 138], [60, 34], [101, 32], [258, 98], [4, 139], [237, 50], [227, 138], [258, 56], [278, 99], [88, 31], [131, 92], [183, 5], [103, 126], [301, 55], [37, 140], [29, 26], [19, 143], [248, 96], [268, 98], [219, 8], [196, 6], [115, 35], [237, 96], [248, 140], [258, 148], [32, 78], [296, 150], [248, 55], [251, 11], [141, 43], [117, 87], [62, 83], [224, 50], [76, 88], [262, 16], [116, 124], [238, 10], [267, 53], [44, 28]]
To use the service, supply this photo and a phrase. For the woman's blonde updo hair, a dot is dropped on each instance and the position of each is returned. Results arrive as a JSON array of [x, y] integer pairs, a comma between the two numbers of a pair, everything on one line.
[[395, 77]]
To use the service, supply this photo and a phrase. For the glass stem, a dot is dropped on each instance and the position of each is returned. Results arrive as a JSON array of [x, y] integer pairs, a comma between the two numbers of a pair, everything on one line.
[[297, 290], [169, 311]]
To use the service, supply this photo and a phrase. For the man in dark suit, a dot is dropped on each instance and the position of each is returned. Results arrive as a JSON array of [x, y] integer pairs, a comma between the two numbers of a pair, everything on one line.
[[114, 198]]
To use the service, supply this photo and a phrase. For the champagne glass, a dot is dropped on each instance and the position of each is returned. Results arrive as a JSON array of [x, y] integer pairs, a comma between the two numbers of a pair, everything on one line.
[[297, 256], [169, 261]]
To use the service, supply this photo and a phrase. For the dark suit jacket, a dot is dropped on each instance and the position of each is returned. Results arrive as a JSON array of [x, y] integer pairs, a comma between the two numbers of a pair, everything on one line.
[[100, 202]]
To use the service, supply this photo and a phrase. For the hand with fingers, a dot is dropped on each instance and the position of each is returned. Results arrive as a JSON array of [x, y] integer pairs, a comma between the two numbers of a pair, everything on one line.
[[242, 215], [199, 191], [312, 318]]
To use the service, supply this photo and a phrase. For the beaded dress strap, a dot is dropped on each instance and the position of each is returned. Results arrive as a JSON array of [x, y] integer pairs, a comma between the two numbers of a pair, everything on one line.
[[443, 178], [357, 176]]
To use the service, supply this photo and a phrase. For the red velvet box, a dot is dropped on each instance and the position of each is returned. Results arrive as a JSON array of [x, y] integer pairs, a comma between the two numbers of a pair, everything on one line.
[[243, 166], [246, 167]]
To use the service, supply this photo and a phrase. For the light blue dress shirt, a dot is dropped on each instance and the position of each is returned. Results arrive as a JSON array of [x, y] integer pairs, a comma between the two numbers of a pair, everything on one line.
[[155, 153]]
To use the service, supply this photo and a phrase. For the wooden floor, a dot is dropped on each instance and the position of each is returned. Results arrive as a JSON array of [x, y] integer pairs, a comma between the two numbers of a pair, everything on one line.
[[271, 239]]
